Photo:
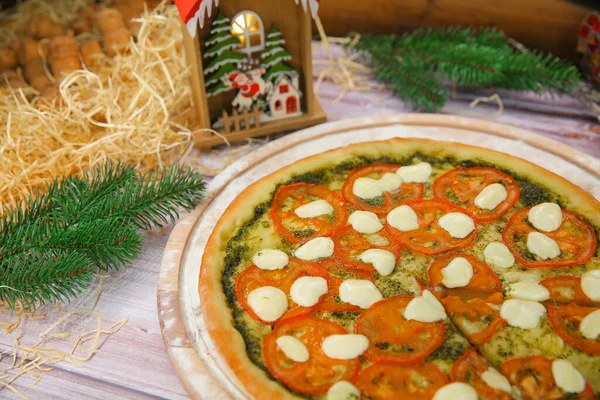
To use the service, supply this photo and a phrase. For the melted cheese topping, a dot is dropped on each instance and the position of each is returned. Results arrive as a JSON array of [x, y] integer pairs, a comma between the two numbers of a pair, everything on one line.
[[523, 314], [497, 254], [458, 225], [368, 188], [307, 290], [319, 247], [542, 246], [491, 196], [496, 380], [268, 303], [343, 390], [383, 261], [425, 308], [415, 173], [546, 217], [270, 259], [365, 222], [344, 347], [457, 273], [567, 377], [590, 284], [359, 292], [528, 290], [294, 349], [403, 218], [456, 391], [590, 325], [314, 209]]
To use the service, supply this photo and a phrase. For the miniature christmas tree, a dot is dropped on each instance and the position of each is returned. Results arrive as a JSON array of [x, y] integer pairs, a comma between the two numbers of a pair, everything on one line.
[[274, 57], [219, 55]]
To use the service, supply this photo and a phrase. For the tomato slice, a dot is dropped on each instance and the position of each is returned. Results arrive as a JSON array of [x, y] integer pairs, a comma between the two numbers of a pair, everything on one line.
[[430, 238], [254, 277], [319, 372], [393, 338], [469, 368], [533, 376], [406, 382], [349, 244], [566, 319], [475, 318], [566, 289], [462, 185], [337, 274], [483, 280], [389, 200], [299, 230], [575, 237]]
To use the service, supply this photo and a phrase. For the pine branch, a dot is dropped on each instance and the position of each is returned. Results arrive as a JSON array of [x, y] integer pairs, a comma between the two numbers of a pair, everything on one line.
[[52, 244], [417, 64]]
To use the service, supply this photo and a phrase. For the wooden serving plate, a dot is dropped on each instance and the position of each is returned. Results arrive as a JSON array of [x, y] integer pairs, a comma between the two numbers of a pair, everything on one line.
[[190, 348]]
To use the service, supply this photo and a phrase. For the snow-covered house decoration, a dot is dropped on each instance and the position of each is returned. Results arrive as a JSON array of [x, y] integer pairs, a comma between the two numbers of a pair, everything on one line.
[[251, 66], [284, 99]]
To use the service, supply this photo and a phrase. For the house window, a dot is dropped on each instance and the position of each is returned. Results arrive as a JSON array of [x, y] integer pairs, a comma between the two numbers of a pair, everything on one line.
[[283, 88], [248, 28], [278, 105], [291, 105]]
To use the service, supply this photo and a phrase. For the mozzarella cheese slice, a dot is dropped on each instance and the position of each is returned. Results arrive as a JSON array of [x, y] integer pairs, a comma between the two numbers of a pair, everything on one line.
[[425, 308], [491, 196], [270, 259], [307, 290], [546, 217], [314, 209], [496, 380], [567, 377], [415, 173], [528, 290], [497, 254], [456, 391], [458, 225], [344, 347], [365, 222], [403, 218], [590, 325], [343, 390], [523, 314], [294, 349], [268, 303], [590, 284], [368, 188], [383, 261], [319, 247], [542, 246], [359, 292], [457, 273]]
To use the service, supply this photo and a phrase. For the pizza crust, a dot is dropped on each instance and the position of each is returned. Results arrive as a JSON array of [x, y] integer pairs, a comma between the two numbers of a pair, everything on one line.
[[217, 315]]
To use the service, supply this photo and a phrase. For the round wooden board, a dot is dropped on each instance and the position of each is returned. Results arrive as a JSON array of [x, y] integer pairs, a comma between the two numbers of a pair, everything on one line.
[[190, 349]]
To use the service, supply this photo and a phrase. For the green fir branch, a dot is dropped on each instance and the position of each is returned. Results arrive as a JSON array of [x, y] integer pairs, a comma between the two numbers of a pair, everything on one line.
[[52, 244], [418, 64]]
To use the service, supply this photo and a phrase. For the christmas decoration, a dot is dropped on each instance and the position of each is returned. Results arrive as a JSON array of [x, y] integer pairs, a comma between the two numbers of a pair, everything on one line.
[[256, 74], [222, 60], [52, 244], [274, 56], [588, 44], [417, 64]]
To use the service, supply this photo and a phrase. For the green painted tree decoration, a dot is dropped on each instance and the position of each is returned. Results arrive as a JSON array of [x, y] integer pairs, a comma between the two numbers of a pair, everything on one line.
[[274, 57], [219, 55]]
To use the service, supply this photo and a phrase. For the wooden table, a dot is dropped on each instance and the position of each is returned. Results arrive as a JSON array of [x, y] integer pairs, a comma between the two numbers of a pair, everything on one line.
[[133, 364]]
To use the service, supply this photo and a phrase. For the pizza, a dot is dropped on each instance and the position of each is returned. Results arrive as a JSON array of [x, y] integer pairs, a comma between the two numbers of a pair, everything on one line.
[[407, 269]]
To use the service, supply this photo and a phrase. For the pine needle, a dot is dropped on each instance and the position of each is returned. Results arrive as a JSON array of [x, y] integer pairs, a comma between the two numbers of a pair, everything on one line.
[[52, 244]]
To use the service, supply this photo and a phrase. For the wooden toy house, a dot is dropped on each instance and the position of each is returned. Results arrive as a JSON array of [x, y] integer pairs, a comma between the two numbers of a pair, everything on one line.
[[251, 66]]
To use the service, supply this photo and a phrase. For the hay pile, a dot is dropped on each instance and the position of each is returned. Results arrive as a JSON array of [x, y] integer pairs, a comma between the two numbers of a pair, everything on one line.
[[135, 107]]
